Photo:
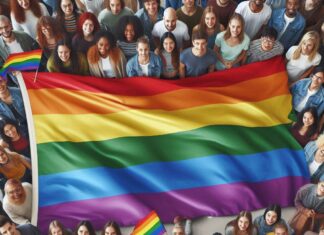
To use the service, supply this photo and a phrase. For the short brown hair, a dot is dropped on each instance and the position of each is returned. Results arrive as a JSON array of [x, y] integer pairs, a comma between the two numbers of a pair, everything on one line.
[[122, 3]]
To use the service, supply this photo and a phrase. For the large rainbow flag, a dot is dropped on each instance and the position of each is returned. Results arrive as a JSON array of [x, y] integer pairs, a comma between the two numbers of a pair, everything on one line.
[[117, 149]]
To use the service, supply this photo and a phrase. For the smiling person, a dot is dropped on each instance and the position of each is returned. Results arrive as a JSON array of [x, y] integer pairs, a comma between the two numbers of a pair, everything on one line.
[[84, 227], [8, 227], [111, 228], [224, 9], [67, 16], [242, 225], [57, 228]]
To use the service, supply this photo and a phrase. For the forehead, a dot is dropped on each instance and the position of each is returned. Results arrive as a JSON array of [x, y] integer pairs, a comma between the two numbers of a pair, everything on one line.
[[4, 22], [114, 1], [5, 227], [142, 45], [10, 187], [66, 2], [320, 74]]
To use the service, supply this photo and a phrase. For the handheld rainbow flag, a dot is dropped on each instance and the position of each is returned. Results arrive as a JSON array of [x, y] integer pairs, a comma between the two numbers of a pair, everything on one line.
[[117, 149], [22, 61], [150, 225]]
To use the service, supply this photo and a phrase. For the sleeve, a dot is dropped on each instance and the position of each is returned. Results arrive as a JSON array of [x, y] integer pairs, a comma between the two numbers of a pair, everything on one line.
[[302, 192], [159, 61], [155, 31], [13, 216], [290, 52], [44, 10], [239, 8], [219, 39], [186, 36], [317, 59], [229, 229], [246, 42], [15, 24], [50, 65], [129, 69]]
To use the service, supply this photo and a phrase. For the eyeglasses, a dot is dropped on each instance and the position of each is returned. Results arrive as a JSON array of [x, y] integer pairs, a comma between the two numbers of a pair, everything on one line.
[[15, 191], [317, 77], [268, 40]]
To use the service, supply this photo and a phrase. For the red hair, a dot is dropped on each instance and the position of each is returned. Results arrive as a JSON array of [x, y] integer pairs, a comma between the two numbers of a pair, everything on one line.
[[47, 21], [87, 16], [19, 12]]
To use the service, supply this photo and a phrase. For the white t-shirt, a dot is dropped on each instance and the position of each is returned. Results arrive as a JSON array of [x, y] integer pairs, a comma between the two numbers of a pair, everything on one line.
[[144, 68], [107, 68], [313, 167], [295, 68], [180, 32], [14, 47], [94, 6], [253, 21], [302, 103], [288, 20]]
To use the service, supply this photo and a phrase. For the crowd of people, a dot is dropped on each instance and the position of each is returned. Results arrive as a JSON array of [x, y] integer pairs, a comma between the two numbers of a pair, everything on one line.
[[172, 39]]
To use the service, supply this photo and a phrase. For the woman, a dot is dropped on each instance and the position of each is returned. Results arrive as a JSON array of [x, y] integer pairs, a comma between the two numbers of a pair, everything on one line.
[[231, 45], [314, 152], [25, 14], [85, 228], [111, 228], [67, 16], [305, 129], [210, 25], [242, 225], [87, 26], [312, 11], [266, 223], [105, 59], [14, 139], [57, 228], [303, 58], [151, 13], [93, 6], [65, 60], [130, 29], [169, 54], [14, 166]]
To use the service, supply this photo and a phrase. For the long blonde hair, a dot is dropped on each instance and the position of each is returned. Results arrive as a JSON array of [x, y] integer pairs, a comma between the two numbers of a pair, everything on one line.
[[313, 36]]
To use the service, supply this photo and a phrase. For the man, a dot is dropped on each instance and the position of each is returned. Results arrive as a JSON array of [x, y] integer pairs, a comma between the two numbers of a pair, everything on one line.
[[178, 230], [266, 47], [7, 227], [309, 92], [256, 14], [224, 9], [280, 229], [17, 201], [170, 23], [198, 59], [190, 14], [13, 41], [289, 23]]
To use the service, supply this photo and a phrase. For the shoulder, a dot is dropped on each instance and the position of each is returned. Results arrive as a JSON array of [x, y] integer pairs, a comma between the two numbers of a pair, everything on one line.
[[28, 229], [140, 12]]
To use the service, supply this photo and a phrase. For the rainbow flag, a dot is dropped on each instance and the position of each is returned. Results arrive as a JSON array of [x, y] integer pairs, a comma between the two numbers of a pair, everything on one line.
[[22, 61], [150, 225], [119, 148]]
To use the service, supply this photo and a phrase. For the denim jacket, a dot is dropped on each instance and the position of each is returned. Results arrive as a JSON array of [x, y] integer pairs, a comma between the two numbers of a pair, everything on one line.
[[133, 68], [17, 103], [294, 30], [299, 91]]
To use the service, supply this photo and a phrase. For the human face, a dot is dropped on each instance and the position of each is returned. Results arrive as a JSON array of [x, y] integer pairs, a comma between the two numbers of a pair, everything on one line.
[[223, 2], [115, 6], [110, 231], [318, 79], [15, 193], [3, 157], [103, 47], [271, 217], [257, 3], [210, 20], [83, 230], [46, 30], [235, 27], [321, 232], [25, 4], [67, 7], [310, 4], [319, 154], [307, 47], [243, 223], [280, 231], [320, 188], [170, 22], [200, 46], [5, 29], [292, 7], [56, 231], [87, 28], [188, 3], [3, 86], [10, 131], [177, 231], [143, 51], [267, 43], [308, 119], [64, 53], [168, 45], [129, 33], [151, 7], [8, 229]]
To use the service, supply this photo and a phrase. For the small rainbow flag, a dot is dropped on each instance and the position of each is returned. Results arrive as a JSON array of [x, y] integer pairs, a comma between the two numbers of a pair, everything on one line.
[[150, 225], [22, 61]]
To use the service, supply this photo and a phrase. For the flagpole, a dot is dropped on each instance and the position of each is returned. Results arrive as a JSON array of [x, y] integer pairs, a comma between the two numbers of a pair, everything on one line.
[[35, 78]]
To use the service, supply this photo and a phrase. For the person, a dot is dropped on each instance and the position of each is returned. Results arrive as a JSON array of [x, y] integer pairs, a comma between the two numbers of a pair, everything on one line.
[[4, 9], [111, 228], [57, 228], [280, 229], [130, 29], [87, 26], [305, 129], [170, 23], [321, 231], [92, 6], [134, 5], [67, 16], [182, 225], [169, 55], [224, 9], [232, 44], [105, 59], [144, 63], [256, 14], [198, 59], [190, 14], [12, 41], [151, 13], [7, 226], [303, 58], [314, 153], [266, 47], [25, 14], [309, 92], [312, 11], [17, 201], [241, 225], [178, 229], [289, 23], [84, 227], [110, 16], [267, 222], [13, 138], [175, 4], [210, 25], [65, 60]]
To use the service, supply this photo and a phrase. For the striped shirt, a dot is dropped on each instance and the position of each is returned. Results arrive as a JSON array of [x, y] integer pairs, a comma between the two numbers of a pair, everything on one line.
[[70, 24]]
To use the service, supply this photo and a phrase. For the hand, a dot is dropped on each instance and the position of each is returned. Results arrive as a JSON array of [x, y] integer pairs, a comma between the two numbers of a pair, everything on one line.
[[310, 213], [228, 64]]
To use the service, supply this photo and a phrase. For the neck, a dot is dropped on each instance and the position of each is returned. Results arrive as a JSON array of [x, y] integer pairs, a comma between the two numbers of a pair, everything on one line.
[[254, 8], [221, 4], [189, 10], [5, 95], [144, 60], [9, 39], [313, 87], [88, 38], [17, 137]]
